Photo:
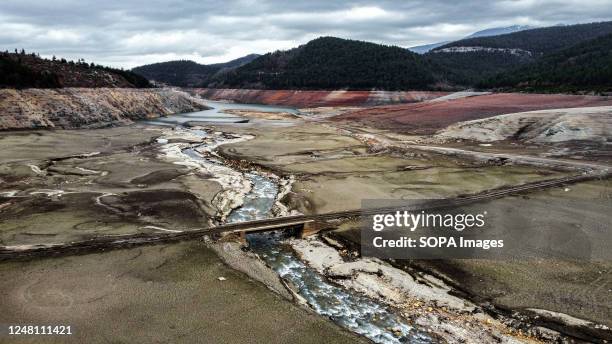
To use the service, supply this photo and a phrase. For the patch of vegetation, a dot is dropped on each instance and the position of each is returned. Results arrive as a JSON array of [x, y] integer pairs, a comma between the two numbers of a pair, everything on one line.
[[15, 74], [21, 70]]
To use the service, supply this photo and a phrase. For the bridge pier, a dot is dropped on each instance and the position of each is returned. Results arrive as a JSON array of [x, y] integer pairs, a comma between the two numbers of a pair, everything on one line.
[[312, 228], [301, 230]]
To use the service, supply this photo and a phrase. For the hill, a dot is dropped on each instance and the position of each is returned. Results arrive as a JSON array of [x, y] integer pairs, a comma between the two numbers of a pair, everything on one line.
[[584, 67], [21, 70], [334, 63], [469, 62], [188, 73]]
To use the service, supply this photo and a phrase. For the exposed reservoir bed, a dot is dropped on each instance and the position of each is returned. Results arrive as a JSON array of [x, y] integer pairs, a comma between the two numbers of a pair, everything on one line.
[[122, 180]]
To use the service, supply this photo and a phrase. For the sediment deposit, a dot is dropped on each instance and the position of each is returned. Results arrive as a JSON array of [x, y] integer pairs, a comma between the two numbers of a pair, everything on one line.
[[429, 117], [297, 98], [70, 108]]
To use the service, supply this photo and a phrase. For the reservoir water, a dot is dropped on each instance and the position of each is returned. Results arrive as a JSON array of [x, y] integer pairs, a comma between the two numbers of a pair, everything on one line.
[[216, 114]]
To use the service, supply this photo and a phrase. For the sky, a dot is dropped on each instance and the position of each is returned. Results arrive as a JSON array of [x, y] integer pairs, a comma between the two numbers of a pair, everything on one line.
[[129, 33]]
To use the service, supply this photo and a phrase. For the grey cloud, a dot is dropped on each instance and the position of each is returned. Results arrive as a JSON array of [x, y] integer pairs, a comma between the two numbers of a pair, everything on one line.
[[127, 33]]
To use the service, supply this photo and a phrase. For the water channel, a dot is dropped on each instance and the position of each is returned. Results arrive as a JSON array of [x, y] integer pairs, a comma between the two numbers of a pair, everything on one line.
[[348, 309]]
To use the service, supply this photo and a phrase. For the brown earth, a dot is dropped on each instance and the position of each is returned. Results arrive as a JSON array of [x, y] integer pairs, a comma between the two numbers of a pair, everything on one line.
[[66, 191], [175, 293], [429, 117], [298, 98]]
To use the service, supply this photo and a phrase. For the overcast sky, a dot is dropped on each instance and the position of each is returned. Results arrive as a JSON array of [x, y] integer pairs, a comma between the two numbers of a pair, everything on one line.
[[126, 33]]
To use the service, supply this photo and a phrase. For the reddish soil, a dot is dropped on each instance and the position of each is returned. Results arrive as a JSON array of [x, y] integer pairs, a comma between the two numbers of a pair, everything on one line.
[[296, 98], [428, 117]]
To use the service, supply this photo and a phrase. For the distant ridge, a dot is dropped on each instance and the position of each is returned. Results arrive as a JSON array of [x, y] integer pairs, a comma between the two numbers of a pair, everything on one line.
[[422, 49], [496, 31], [188, 73], [540, 40]]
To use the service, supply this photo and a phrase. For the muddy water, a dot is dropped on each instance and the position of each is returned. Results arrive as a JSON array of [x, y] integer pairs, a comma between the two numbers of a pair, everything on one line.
[[216, 114], [350, 310]]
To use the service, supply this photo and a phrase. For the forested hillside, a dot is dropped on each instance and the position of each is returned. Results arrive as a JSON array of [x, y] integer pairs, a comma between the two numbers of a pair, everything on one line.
[[586, 66], [188, 73], [334, 63], [469, 62], [469, 68], [22, 70]]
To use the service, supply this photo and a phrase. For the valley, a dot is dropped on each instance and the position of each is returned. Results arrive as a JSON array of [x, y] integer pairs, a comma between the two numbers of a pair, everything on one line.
[[229, 176], [157, 177]]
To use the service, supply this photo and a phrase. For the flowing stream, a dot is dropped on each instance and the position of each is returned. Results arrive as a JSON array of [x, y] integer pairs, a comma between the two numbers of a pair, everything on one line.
[[348, 309]]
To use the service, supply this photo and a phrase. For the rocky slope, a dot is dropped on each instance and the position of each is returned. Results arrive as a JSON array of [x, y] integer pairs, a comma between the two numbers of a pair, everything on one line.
[[545, 126], [86, 107], [297, 98]]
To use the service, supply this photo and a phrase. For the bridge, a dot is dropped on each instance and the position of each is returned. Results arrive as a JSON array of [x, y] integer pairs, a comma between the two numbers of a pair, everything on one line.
[[303, 225]]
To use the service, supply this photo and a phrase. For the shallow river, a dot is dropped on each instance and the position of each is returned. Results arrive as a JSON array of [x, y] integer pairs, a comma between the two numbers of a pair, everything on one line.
[[348, 309]]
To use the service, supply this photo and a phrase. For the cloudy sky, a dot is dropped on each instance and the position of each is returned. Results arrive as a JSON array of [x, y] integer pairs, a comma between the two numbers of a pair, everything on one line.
[[127, 33]]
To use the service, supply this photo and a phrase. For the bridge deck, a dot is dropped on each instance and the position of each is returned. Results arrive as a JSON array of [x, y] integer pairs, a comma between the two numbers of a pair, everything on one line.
[[120, 241]]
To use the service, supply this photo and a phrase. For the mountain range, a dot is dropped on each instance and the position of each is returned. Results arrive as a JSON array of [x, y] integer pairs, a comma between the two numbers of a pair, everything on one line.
[[572, 58], [491, 58]]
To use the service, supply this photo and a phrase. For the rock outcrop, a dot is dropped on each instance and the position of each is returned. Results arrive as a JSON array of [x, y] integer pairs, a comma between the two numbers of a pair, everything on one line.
[[544, 126], [70, 108]]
